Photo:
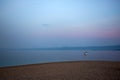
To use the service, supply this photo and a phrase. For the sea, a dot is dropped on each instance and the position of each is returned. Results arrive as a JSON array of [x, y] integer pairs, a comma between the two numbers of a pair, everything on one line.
[[23, 57]]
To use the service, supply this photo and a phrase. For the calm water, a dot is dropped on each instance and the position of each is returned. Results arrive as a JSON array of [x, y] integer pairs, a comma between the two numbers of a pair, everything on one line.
[[12, 58]]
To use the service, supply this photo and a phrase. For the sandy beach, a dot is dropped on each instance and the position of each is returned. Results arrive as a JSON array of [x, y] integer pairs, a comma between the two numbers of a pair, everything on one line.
[[79, 70]]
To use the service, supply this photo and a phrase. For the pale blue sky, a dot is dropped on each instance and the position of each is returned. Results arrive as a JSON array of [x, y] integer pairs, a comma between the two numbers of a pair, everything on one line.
[[68, 23]]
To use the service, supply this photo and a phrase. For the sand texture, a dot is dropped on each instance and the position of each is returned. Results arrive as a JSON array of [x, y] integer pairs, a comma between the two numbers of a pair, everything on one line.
[[81, 70]]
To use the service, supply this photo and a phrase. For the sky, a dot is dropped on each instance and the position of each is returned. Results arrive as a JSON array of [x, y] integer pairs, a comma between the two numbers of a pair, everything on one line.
[[59, 23]]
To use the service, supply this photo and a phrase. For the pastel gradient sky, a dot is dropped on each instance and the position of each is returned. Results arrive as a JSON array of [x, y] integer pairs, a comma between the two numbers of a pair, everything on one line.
[[59, 23]]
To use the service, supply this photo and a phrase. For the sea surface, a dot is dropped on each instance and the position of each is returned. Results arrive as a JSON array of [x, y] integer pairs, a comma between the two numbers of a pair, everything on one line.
[[23, 57]]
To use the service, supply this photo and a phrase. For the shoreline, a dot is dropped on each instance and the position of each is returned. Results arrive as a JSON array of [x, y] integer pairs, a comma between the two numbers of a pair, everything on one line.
[[55, 63], [67, 70]]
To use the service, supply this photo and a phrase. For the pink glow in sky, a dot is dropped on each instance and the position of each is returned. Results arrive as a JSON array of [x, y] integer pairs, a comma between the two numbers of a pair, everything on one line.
[[48, 23]]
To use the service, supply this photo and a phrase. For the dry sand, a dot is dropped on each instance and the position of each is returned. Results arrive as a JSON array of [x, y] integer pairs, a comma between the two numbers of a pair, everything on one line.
[[82, 70]]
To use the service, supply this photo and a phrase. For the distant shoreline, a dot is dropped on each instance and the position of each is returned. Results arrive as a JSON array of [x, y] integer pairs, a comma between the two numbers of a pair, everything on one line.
[[115, 47]]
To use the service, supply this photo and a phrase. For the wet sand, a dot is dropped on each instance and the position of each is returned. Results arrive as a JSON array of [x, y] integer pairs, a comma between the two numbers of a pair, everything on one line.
[[79, 70]]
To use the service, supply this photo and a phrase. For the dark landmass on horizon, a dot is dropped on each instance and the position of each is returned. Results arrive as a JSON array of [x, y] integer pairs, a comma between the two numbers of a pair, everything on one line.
[[115, 47]]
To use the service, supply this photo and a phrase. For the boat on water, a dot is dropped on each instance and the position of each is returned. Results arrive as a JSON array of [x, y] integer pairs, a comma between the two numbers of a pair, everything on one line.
[[85, 53]]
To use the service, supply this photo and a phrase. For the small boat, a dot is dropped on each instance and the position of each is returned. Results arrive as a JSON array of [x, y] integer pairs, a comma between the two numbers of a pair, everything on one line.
[[85, 53]]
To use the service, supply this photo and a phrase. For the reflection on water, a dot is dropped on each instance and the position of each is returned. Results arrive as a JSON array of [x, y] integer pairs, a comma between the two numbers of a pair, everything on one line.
[[11, 58]]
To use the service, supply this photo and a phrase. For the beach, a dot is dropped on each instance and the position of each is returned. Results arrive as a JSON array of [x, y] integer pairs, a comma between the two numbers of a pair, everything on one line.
[[73, 70]]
